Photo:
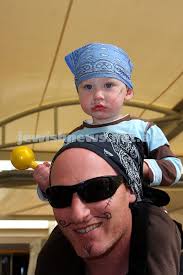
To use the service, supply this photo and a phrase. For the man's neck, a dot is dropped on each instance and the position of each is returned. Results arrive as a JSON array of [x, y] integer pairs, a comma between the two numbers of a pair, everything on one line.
[[114, 262]]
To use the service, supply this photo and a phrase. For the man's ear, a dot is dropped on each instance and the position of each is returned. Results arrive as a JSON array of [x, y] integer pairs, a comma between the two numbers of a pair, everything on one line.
[[132, 197], [129, 94]]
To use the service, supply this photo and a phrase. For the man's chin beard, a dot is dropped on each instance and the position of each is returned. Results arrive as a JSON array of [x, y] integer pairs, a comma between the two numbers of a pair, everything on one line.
[[89, 255], [99, 255], [87, 252]]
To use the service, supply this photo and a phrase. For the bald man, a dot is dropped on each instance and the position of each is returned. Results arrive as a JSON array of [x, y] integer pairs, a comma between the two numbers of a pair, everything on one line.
[[93, 188]]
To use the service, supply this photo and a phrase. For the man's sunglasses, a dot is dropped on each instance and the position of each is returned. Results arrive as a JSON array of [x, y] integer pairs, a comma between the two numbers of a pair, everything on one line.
[[92, 190]]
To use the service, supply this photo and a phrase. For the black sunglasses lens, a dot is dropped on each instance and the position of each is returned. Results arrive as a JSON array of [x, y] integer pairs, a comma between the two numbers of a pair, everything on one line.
[[92, 190], [59, 197], [100, 188]]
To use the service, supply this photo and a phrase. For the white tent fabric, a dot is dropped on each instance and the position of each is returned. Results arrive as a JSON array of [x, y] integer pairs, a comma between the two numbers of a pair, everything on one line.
[[37, 93]]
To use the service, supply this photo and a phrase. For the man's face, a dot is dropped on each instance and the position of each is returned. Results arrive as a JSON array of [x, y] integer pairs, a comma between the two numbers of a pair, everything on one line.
[[92, 228], [103, 98]]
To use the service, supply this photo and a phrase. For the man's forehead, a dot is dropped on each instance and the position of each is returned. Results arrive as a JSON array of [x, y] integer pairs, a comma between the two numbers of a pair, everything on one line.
[[77, 164], [81, 158], [78, 154]]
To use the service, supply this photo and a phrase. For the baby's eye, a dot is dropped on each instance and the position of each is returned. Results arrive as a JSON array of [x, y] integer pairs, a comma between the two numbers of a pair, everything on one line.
[[109, 85], [87, 86]]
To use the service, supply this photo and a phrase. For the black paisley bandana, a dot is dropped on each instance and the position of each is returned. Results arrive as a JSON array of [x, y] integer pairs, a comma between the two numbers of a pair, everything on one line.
[[121, 152], [125, 154]]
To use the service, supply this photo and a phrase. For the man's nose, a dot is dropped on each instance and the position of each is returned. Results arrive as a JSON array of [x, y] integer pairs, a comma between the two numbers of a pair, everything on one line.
[[79, 210]]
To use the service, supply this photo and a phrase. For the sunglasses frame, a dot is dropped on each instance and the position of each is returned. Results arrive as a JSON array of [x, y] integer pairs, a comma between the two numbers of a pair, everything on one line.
[[89, 191]]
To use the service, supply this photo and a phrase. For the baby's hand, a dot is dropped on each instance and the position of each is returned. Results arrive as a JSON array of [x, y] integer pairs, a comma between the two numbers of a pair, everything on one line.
[[41, 175]]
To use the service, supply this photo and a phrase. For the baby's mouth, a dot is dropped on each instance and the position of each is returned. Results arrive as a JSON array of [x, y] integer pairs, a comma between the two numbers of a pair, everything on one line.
[[98, 107]]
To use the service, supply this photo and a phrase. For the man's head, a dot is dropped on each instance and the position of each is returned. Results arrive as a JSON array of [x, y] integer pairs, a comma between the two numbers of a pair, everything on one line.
[[103, 79], [95, 213]]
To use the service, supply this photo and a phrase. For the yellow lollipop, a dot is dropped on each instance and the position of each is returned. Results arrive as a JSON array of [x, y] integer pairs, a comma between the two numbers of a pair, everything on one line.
[[22, 158]]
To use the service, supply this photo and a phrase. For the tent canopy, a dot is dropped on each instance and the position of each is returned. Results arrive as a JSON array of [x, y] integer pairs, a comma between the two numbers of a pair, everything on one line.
[[37, 93]]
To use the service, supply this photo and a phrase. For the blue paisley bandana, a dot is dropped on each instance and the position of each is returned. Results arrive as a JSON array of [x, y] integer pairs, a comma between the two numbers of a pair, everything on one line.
[[98, 60]]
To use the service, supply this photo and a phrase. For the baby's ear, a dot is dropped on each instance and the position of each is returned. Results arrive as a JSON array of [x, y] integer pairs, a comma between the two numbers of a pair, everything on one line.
[[129, 94]]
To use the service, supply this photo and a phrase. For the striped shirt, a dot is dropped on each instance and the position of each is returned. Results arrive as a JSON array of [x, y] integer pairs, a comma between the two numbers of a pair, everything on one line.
[[164, 167]]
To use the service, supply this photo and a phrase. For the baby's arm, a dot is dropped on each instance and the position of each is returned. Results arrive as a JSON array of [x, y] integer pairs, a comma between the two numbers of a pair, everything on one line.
[[41, 177], [146, 171], [164, 167], [41, 174]]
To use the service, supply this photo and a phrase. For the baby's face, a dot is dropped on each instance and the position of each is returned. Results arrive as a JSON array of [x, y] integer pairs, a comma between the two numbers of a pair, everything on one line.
[[103, 98]]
